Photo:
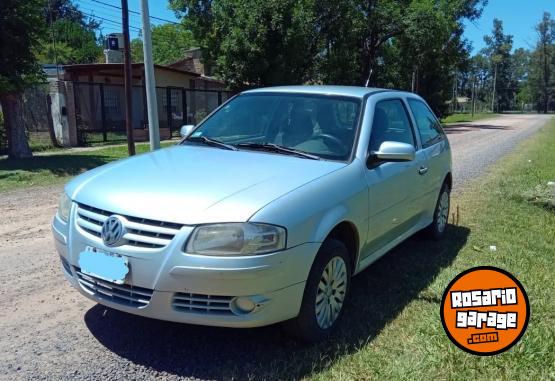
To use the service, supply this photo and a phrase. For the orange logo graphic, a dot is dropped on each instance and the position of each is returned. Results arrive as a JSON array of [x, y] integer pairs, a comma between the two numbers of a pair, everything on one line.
[[485, 310]]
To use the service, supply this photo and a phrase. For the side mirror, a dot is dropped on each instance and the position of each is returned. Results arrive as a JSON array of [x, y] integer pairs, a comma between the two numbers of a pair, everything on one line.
[[393, 151], [186, 130]]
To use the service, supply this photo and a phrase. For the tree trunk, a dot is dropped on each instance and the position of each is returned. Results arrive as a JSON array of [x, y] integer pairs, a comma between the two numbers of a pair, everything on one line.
[[12, 107]]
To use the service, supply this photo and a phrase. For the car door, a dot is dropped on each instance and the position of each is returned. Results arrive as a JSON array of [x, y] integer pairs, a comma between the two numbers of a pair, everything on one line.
[[435, 146], [393, 187]]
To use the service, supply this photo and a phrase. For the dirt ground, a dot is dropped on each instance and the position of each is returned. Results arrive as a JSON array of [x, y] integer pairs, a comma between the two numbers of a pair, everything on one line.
[[49, 331]]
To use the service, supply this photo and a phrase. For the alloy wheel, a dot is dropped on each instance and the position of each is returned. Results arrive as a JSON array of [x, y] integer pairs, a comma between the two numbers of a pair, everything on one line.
[[331, 292], [442, 211]]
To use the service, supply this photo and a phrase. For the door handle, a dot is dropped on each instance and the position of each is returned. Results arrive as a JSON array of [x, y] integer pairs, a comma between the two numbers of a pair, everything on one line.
[[423, 170]]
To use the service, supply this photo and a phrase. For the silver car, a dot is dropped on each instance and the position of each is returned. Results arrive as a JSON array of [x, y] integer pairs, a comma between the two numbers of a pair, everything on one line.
[[263, 212]]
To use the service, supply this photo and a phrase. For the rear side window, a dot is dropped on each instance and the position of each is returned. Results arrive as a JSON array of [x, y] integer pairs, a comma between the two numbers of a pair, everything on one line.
[[390, 123], [428, 126]]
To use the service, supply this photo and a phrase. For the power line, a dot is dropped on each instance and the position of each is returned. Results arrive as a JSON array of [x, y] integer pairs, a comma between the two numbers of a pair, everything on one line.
[[112, 12], [118, 23], [100, 12], [135, 12], [94, 13]]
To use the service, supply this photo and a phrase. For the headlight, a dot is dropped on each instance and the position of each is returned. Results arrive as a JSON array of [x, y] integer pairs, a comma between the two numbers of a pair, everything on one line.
[[236, 239], [64, 207]]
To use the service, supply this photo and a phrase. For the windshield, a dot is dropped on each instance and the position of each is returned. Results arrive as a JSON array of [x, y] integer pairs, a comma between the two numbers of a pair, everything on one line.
[[320, 125]]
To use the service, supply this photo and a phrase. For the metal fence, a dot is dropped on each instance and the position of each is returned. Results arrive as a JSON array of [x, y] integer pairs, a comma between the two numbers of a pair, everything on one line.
[[100, 110], [35, 119]]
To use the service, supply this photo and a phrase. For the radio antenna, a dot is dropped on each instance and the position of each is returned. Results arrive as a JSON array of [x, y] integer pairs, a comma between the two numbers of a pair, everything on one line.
[[368, 79]]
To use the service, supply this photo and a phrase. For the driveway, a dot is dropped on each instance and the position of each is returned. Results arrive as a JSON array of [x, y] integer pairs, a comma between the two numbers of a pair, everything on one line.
[[49, 331]]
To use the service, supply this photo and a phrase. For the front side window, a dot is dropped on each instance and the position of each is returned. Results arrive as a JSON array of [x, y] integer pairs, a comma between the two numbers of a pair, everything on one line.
[[324, 126], [390, 124], [428, 126]]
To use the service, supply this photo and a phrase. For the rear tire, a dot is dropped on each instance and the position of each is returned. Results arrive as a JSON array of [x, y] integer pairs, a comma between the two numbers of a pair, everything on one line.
[[325, 294], [437, 228]]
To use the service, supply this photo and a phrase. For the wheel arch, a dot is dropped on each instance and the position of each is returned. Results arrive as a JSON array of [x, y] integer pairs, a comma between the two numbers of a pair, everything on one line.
[[347, 233], [448, 180]]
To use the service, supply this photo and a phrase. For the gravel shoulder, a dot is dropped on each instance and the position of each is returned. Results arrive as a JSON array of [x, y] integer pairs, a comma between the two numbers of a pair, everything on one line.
[[50, 332]]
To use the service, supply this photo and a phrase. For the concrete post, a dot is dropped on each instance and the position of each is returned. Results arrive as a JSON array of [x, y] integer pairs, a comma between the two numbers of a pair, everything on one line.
[[71, 113], [66, 136], [153, 127]]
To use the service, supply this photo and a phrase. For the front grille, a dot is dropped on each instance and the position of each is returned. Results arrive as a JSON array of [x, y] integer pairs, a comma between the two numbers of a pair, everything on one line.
[[141, 232], [124, 294], [207, 304]]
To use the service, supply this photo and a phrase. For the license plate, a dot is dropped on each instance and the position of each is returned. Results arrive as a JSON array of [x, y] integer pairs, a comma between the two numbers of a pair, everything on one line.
[[107, 266]]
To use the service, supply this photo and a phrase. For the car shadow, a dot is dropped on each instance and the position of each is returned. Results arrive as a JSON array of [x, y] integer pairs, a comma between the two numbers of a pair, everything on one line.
[[467, 127], [379, 294]]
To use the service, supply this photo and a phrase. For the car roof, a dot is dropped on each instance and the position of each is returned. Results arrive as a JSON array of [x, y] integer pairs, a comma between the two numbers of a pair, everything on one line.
[[351, 91]]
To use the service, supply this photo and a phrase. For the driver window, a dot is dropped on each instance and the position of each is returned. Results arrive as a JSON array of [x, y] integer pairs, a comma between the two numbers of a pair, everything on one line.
[[390, 123], [245, 117]]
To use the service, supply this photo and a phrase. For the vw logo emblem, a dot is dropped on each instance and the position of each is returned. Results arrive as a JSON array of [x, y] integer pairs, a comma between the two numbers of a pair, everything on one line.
[[113, 231]]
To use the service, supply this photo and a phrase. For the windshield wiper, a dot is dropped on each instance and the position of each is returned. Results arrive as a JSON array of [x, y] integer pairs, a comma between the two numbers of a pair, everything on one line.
[[210, 142], [278, 149]]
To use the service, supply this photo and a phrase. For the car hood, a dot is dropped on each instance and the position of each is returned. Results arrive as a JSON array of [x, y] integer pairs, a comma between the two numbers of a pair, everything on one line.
[[194, 184]]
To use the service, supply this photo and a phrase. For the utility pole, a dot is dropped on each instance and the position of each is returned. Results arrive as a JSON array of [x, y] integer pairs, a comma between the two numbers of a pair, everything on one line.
[[473, 96], [127, 79], [545, 79], [152, 107], [455, 92], [494, 84]]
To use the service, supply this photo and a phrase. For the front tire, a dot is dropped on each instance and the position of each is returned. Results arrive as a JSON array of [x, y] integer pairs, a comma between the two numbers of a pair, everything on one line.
[[437, 228], [325, 294]]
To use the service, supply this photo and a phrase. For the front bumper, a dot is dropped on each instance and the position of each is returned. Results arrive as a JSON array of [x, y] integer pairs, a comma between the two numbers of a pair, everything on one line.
[[273, 282]]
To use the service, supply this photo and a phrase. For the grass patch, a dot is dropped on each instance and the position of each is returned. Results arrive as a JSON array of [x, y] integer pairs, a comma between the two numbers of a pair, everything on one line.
[[542, 196], [58, 167], [392, 328], [40, 142], [467, 117], [494, 210]]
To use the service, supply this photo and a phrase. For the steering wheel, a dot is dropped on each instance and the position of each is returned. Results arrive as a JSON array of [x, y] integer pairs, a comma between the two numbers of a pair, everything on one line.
[[333, 140]]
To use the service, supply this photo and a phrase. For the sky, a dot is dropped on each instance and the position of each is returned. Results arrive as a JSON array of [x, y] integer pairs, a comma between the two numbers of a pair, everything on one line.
[[108, 12], [519, 18]]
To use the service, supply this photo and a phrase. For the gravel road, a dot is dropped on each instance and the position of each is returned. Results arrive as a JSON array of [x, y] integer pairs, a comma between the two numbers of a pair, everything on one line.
[[49, 331], [477, 145]]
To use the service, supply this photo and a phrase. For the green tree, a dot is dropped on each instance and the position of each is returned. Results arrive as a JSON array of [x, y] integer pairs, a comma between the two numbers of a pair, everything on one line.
[[498, 49], [543, 64], [55, 52], [70, 33], [433, 52], [413, 45], [258, 43], [520, 62], [254, 43], [136, 46], [21, 28], [169, 43], [477, 86]]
